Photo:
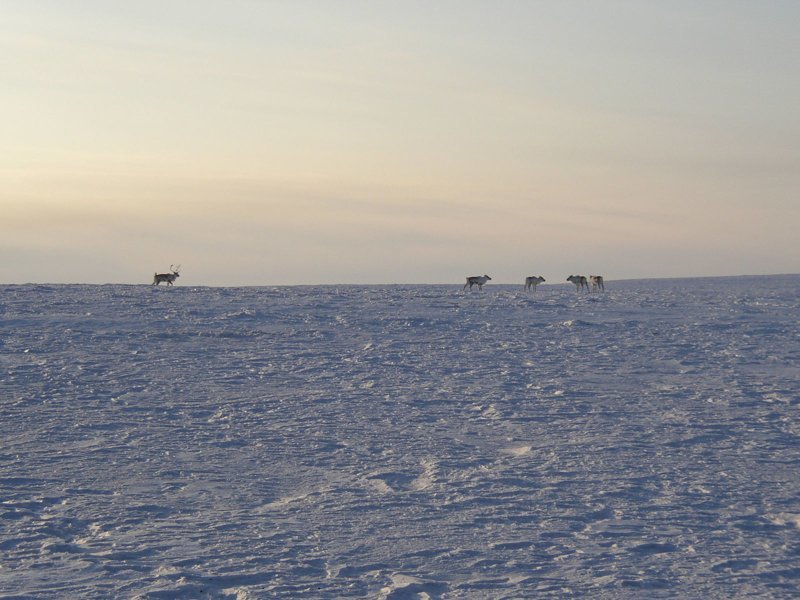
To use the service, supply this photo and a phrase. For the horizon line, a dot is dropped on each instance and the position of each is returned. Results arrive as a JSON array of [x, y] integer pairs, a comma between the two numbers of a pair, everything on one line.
[[439, 284]]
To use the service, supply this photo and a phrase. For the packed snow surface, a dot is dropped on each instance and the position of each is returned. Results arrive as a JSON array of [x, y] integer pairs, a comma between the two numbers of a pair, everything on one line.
[[401, 441]]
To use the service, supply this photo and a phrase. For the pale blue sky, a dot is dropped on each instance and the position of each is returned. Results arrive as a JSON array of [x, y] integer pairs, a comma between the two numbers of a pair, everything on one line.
[[380, 142]]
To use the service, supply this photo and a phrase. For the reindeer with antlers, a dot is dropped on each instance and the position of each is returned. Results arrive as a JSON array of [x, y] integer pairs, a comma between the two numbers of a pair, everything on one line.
[[168, 278]]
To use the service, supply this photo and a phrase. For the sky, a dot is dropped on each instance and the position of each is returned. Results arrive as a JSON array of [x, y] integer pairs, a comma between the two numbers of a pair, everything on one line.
[[315, 142]]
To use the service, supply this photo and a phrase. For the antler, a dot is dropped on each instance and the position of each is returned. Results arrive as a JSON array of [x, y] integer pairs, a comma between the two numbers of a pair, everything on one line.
[[175, 269]]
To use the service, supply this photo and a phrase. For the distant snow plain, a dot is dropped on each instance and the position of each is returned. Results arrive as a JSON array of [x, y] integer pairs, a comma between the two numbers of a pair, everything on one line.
[[401, 441]]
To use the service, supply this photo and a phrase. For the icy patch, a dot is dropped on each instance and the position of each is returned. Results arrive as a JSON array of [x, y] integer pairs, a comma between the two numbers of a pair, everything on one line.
[[782, 519], [407, 587], [518, 450]]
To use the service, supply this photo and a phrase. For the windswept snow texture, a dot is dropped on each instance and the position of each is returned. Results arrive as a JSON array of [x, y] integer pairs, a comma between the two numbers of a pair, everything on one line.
[[401, 442]]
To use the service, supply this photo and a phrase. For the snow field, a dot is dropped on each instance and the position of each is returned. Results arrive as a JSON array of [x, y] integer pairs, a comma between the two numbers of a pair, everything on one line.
[[401, 441]]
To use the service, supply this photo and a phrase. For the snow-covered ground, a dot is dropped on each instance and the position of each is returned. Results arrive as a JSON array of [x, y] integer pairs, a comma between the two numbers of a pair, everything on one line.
[[401, 441]]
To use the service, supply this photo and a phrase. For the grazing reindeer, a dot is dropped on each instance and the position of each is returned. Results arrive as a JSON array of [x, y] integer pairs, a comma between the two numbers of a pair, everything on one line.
[[478, 280], [532, 282], [597, 283], [169, 278], [579, 281]]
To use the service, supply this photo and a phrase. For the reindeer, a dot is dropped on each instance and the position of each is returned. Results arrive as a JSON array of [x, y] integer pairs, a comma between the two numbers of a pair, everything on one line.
[[597, 283], [478, 280], [579, 281], [532, 282], [169, 278]]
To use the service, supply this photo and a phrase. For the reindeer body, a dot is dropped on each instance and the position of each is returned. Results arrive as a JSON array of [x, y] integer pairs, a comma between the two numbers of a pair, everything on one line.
[[597, 283], [168, 278], [579, 281], [478, 280], [533, 281]]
